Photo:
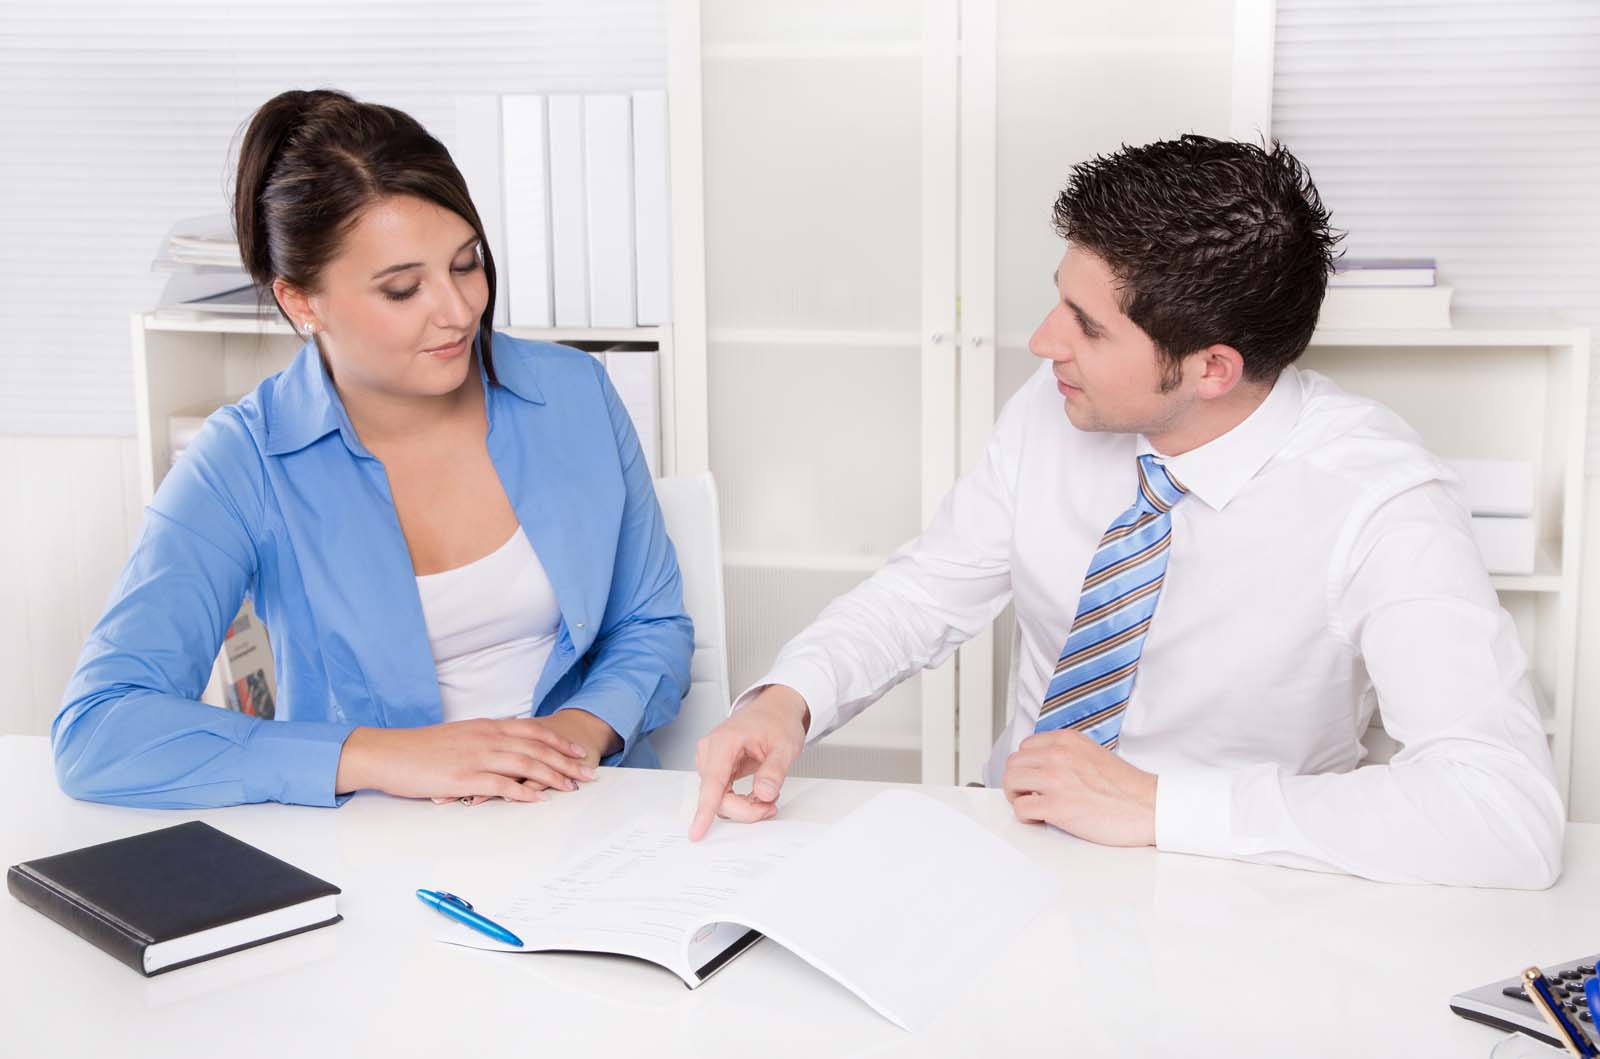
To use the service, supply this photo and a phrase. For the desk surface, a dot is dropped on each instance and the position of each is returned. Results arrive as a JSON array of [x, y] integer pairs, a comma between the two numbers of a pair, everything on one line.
[[1150, 954]]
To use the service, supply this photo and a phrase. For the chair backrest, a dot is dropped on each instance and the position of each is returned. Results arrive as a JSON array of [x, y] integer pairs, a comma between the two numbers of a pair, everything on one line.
[[689, 506]]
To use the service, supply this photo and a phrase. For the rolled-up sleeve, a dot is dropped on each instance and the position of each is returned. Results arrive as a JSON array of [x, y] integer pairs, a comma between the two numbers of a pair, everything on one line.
[[638, 666], [131, 729]]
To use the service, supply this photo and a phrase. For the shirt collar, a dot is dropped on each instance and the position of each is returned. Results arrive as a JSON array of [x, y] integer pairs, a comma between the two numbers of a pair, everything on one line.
[[1217, 470], [305, 405]]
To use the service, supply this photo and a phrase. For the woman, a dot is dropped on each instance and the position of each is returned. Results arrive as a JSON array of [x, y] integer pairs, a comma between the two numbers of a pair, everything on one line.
[[451, 534]]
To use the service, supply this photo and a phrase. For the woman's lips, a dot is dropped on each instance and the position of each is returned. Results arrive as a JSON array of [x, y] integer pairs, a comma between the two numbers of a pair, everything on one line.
[[448, 352]]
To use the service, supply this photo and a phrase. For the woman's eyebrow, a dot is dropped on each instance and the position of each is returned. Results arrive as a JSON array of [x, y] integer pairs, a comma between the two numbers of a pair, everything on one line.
[[417, 264]]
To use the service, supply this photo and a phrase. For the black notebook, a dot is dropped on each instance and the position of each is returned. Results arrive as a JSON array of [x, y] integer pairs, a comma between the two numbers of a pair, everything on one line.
[[169, 898]]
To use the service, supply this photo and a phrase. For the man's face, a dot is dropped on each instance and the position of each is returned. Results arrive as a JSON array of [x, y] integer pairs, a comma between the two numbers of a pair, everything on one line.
[[1108, 370]]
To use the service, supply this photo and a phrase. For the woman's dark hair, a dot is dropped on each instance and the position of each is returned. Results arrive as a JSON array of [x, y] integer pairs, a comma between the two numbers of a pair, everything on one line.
[[310, 163], [1212, 241]]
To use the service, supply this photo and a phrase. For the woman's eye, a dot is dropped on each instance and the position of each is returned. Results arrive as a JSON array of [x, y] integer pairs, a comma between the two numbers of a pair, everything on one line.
[[399, 295], [471, 266]]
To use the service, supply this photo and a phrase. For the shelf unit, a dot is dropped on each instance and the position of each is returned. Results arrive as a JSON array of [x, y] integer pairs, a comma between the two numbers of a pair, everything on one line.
[[190, 364]]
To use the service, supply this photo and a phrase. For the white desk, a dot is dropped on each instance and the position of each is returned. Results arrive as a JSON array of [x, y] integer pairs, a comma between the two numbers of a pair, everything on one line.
[[1150, 954]]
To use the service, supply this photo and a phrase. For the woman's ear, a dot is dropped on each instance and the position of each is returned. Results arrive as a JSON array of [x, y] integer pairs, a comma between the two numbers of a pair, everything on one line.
[[297, 304]]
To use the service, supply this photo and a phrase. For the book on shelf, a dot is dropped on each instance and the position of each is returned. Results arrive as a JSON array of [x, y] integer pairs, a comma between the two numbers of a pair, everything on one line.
[[652, 209], [525, 256], [569, 236], [608, 201], [249, 683], [632, 371], [1386, 307], [1384, 272]]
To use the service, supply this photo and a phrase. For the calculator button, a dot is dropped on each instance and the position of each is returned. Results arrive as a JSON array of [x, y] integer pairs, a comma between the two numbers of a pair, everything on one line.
[[1584, 1015], [1572, 972], [1586, 968], [1515, 993]]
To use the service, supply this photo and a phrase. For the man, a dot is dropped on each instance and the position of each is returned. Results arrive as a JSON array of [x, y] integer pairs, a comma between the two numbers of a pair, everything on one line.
[[1221, 565]]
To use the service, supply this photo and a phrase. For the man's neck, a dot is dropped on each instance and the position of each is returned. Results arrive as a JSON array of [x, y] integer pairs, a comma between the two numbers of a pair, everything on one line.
[[1206, 421]]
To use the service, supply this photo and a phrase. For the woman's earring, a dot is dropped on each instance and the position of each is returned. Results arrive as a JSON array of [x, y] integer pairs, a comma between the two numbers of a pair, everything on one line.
[[311, 329]]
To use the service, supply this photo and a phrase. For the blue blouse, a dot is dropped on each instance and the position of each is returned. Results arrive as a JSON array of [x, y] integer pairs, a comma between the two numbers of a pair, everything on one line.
[[278, 499]]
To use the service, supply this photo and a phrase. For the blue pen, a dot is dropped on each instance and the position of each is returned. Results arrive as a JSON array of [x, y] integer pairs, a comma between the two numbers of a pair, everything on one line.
[[461, 911], [1591, 993]]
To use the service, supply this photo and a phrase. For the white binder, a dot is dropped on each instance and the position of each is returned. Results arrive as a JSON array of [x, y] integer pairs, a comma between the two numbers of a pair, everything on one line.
[[608, 167], [651, 209], [526, 256], [568, 224]]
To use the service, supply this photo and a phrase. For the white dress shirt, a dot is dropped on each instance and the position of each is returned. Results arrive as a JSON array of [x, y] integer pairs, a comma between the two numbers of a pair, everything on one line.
[[491, 624], [1321, 567]]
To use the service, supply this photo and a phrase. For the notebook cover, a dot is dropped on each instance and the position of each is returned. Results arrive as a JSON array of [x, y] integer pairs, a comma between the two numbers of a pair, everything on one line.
[[128, 894]]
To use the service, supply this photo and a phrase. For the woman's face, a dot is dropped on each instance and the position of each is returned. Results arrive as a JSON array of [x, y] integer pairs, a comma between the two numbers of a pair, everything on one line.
[[396, 311]]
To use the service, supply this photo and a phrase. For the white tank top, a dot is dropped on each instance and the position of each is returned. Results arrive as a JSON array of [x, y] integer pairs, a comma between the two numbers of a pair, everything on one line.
[[491, 624]]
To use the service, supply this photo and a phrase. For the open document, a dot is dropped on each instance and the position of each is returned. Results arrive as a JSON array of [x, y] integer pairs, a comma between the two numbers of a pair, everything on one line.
[[903, 902]]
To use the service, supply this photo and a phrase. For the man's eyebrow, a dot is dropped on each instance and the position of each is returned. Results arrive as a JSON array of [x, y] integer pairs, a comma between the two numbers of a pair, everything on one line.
[[417, 264], [1089, 323]]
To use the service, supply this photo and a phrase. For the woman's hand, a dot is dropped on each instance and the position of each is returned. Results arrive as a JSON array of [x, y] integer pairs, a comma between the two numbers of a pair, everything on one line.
[[516, 759]]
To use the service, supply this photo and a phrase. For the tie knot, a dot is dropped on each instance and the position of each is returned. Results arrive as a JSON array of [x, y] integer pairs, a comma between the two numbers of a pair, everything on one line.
[[1157, 486]]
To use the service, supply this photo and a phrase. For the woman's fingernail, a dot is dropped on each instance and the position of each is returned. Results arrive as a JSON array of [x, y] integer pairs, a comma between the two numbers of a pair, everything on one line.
[[587, 772]]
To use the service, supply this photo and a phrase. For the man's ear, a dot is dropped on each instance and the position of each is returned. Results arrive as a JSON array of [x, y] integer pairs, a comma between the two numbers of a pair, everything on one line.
[[1221, 369]]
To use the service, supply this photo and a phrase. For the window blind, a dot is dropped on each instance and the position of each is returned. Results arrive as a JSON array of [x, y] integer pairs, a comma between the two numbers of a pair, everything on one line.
[[1467, 130], [118, 119]]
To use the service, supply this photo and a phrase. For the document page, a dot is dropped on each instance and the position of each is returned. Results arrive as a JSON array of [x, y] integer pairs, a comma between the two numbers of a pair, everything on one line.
[[904, 902], [644, 891]]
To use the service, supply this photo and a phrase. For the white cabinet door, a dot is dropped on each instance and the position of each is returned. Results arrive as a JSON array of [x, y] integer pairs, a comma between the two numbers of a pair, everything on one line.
[[830, 220], [1063, 82]]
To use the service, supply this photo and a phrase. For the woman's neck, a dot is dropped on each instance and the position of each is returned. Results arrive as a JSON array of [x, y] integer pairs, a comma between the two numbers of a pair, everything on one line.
[[382, 419]]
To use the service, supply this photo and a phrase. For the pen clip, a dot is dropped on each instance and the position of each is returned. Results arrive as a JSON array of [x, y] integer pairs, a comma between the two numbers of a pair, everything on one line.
[[457, 901]]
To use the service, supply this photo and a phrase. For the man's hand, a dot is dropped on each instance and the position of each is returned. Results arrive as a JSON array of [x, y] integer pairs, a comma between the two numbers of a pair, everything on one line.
[[1067, 779], [764, 737], [514, 759]]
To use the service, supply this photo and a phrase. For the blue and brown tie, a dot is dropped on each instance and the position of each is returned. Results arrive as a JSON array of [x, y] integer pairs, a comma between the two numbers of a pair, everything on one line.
[[1093, 678]]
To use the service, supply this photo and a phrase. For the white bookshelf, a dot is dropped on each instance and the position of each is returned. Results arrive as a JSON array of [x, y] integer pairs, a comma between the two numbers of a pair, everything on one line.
[[193, 364]]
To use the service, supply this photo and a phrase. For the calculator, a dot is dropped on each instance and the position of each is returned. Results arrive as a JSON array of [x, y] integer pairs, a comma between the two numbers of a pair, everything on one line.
[[1504, 1006]]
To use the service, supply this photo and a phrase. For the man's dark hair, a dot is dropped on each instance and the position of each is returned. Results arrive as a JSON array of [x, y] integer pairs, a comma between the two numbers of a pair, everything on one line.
[[1212, 241]]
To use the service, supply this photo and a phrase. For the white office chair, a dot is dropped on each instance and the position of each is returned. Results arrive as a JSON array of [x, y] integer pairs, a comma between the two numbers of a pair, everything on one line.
[[689, 506]]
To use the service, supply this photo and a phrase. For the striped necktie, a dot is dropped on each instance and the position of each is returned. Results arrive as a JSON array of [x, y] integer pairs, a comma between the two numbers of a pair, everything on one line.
[[1093, 678]]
